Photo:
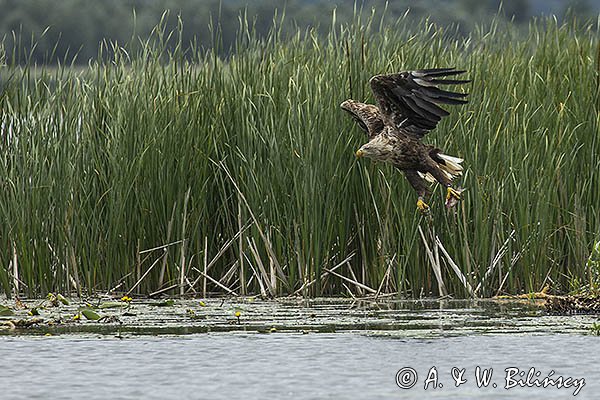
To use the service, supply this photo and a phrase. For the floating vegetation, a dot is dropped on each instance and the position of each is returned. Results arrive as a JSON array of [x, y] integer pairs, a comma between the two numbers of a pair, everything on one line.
[[158, 172], [5, 311], [56, 298], [575, 304], [89, 314], [113, 304], [294, 315]]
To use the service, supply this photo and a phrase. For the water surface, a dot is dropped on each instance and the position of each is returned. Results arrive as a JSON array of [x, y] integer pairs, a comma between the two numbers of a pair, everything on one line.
[[298, 349], [284, 365]]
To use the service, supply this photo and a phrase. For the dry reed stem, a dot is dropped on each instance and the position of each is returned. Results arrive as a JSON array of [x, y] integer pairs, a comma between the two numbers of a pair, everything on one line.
[[306, 285], [163, 267], [219, 284], [457, 270], [140, 279], [434, 265], [182, 259], [355, 283], [266, 241]]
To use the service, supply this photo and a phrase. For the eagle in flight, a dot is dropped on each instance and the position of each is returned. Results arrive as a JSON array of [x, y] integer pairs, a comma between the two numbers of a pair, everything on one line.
[[409, 107]]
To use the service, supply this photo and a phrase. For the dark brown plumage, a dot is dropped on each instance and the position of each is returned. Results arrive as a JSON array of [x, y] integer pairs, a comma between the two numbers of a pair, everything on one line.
[[408, 108]]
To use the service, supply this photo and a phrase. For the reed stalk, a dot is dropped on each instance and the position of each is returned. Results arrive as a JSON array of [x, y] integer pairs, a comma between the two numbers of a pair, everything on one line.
[[149, 147]]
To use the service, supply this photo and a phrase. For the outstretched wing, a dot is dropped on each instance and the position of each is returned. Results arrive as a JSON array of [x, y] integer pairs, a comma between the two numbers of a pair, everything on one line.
[[367, 116], [410, 100]]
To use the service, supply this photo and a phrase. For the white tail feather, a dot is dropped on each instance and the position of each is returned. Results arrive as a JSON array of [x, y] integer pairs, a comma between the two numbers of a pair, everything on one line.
[[428, 177], [446, 157], [452, 167]]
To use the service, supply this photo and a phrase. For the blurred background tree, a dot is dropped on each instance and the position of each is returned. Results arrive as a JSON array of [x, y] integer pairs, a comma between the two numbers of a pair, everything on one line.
[[64, 28]]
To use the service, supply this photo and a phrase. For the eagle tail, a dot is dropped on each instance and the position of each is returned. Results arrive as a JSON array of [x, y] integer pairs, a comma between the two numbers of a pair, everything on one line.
[[450, 165], [427, 176]]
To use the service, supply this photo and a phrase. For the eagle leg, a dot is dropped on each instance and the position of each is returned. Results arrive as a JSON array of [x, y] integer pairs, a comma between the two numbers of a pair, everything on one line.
[[421, 187], [453, 195], [422, 206]]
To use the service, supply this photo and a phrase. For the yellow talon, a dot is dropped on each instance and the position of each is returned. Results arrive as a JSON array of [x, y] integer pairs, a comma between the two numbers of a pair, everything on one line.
[[452, 193], [453, 196], [422, 206]]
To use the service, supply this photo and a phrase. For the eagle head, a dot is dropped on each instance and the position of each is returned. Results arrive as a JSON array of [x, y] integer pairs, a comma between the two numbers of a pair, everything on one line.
[[380, 148]]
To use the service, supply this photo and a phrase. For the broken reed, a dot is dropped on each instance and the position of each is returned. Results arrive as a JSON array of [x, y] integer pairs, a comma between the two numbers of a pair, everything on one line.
[[159, 171]]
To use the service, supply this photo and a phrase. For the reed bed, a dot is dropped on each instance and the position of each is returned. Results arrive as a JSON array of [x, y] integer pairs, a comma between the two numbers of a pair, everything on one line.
[[164, 171]]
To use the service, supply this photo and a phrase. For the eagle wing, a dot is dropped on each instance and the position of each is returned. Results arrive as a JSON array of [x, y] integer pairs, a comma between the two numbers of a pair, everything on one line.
[[367, 116], [410, 100]]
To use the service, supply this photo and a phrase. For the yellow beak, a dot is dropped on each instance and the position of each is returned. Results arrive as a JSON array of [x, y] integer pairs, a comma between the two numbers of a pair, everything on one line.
[[359, 153]]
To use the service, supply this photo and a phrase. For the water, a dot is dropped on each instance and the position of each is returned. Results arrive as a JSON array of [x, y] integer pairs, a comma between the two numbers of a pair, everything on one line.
[[317, 349], [285, 365]]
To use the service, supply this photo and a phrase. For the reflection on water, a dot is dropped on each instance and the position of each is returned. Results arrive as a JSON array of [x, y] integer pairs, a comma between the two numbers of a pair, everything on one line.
[[286, 365]]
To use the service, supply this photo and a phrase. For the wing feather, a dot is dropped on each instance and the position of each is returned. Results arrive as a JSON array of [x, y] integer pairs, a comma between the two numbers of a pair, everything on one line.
[[428, 73], [411, 100], [426, 104], [367, 116]]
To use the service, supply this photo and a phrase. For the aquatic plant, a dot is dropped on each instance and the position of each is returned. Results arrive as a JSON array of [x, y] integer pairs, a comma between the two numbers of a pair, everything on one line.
[[593, 265], [168, 172]]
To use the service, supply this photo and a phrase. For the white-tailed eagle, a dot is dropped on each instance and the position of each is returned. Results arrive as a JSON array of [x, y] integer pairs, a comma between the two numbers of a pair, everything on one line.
[[408, 108]]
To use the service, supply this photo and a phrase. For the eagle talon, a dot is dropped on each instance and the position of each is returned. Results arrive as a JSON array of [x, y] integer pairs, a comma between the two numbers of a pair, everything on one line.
[[453, 196], [422, 206], [453, 193]]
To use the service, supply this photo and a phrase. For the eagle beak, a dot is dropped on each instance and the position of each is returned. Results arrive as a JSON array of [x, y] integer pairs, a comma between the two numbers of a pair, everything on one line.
[[359, 153]]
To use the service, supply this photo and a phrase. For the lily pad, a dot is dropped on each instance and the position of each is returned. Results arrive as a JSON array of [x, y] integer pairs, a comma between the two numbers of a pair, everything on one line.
[[90, 314], [57, 299], [5, 311], [62, 299]]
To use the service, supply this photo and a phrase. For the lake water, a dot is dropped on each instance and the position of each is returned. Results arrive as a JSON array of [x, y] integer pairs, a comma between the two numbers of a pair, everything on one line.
[[349, 365]]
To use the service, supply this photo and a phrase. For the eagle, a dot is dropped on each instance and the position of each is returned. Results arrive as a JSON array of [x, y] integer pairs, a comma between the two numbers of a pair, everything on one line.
[[409, 108]]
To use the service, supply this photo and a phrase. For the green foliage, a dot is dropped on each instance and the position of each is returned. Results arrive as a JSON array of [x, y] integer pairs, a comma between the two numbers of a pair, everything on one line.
[[593, 265], [147, 169]]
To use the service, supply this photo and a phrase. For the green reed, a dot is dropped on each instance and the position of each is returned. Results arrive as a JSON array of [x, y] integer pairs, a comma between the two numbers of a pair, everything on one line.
[[164, 169]]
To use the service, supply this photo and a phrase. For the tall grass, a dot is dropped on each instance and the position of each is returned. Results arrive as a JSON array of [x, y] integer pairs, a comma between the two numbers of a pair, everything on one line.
[[186, 172]]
